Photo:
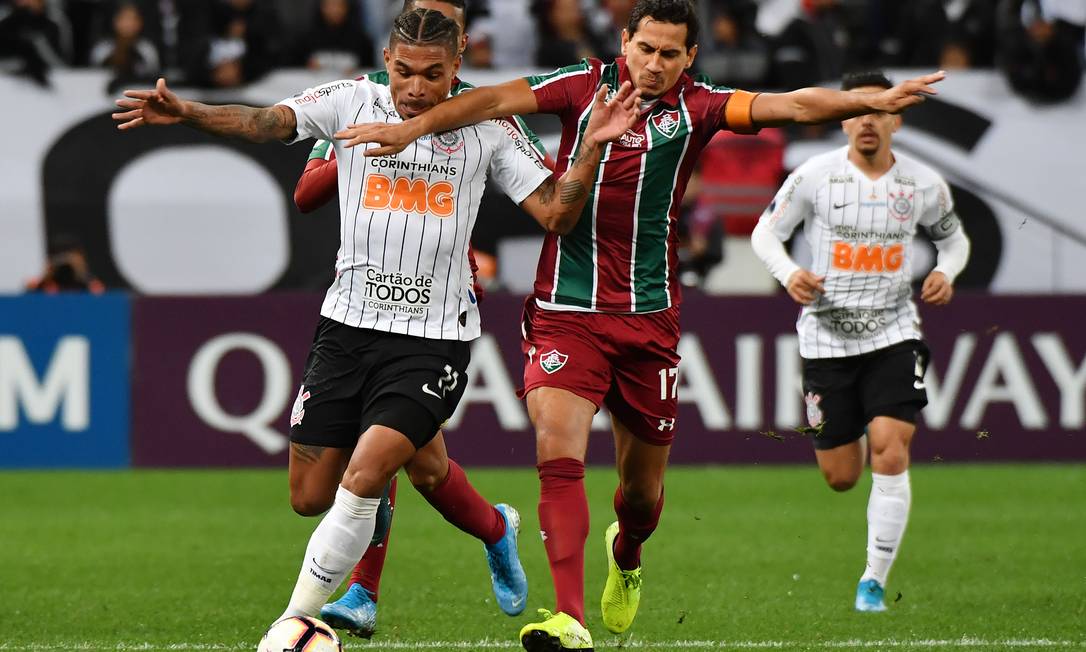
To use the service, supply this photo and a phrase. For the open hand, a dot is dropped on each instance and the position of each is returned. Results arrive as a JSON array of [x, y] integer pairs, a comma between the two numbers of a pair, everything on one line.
[[907, 93], [937, 289], [159, 106], [802, 286], [611, 119]]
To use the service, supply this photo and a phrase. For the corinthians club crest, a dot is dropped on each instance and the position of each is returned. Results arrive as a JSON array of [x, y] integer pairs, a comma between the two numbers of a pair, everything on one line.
[[900, 205], [667, 123], [814, 412], [449, 142]]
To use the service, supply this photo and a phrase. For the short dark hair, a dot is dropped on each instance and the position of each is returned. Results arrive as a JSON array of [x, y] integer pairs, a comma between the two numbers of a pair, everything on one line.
[[425, 27], [459, 4], [853, 80], [676, 12]]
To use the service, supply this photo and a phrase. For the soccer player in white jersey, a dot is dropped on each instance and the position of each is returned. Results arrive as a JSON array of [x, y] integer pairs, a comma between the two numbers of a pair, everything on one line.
[[859, 332], [389, 358]]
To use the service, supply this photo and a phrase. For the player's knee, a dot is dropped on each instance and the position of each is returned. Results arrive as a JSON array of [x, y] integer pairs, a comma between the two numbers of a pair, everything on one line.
[[308, 504], [365, 482], [424, 480], [641, 497], [890, 461], [840, 481]]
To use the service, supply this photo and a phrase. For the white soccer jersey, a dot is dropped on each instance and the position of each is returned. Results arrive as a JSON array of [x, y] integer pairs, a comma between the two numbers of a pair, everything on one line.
[[405, 220], [860, 232]]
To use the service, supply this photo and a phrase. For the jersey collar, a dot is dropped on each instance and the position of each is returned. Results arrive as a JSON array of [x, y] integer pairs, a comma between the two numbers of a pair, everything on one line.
[[670, 98]]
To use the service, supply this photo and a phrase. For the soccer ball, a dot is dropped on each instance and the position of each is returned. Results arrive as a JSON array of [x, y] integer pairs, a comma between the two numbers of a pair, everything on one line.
[[300, 634]]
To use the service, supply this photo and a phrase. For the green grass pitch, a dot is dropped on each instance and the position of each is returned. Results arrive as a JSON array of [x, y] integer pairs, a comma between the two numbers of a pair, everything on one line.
[[745, 558]]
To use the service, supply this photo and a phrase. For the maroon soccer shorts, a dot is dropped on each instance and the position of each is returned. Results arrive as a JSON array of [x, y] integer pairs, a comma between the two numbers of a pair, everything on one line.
[[626, 362]]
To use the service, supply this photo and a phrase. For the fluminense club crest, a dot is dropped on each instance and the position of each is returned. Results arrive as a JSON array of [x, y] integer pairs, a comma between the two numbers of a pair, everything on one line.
[[552, 361], [667, 123], [901, 206]]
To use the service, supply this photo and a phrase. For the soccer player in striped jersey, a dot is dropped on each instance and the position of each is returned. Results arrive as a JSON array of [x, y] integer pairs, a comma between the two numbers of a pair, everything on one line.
[[356, 609], [391, 350], [602, 327], [859, 333]]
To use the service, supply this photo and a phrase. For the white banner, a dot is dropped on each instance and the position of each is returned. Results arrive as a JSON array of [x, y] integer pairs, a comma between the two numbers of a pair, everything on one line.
[[178, 213]]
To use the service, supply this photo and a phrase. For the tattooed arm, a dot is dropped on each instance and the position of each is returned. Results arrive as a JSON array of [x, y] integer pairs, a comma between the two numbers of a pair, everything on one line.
[[557, 203], [256, 125], [162, 106]]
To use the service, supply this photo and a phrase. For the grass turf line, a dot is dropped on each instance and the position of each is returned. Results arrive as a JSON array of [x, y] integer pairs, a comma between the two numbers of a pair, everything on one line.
[[745, 555]]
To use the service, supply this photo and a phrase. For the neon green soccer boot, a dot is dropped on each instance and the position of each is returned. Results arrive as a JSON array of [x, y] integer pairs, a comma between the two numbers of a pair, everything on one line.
[[622, 593], [557, 632]]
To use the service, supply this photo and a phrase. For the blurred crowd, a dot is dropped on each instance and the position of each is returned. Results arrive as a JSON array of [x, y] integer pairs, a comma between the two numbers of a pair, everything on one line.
[[757, 44], [747, 43]]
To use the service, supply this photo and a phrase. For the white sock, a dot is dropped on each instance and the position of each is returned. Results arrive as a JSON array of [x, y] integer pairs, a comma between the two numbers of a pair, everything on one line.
[[337, 544], [887, 515]]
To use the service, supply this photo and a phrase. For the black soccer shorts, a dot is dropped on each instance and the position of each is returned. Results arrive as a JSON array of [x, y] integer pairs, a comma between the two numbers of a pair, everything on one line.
[[356, 377], [843, 395]]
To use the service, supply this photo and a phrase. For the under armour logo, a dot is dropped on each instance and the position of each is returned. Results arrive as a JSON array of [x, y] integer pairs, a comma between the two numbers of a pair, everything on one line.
[[666, 424]]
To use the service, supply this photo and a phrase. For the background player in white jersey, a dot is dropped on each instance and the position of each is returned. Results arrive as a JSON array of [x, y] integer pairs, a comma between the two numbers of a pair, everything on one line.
[[863, 357], [390, 355]]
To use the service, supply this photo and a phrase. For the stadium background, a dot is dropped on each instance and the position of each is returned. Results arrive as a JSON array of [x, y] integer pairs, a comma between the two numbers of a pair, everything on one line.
[[213, 279]]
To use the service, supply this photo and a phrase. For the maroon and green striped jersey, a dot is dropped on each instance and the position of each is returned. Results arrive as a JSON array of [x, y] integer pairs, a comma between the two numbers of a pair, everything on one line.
[[622, 255]]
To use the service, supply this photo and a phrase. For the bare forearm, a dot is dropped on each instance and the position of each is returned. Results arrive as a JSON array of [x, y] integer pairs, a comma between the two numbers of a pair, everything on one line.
[[256, 125], [574, 184], [559, 202], [809, 106], [477, 105]]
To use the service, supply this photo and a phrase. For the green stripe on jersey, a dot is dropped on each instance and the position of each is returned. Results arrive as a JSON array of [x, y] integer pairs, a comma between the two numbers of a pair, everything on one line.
[[702, 78], [536, 80], [669, 132], [320, 150], [576, 283]]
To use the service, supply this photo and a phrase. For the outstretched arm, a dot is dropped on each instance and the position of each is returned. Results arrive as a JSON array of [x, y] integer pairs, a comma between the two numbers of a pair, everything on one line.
[[815, 105], [557, 203], [471, 107], [162, 106]]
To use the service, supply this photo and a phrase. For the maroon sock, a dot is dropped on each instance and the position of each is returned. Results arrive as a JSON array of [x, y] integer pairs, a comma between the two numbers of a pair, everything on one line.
[[563, 518], [634, 527], [461, 505], [367, 571]]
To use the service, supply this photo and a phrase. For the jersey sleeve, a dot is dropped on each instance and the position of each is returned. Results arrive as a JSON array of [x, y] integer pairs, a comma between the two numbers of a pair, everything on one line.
[[323, 150], [729, 108], [560, 91], [939, 218], [322, 111], [515, 165], [791, 205]]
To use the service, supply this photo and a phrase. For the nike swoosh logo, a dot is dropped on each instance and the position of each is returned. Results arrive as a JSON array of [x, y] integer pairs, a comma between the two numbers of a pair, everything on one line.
[[326, 571], [881, 540], [840, 206], [426, 388], [517, 603]]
